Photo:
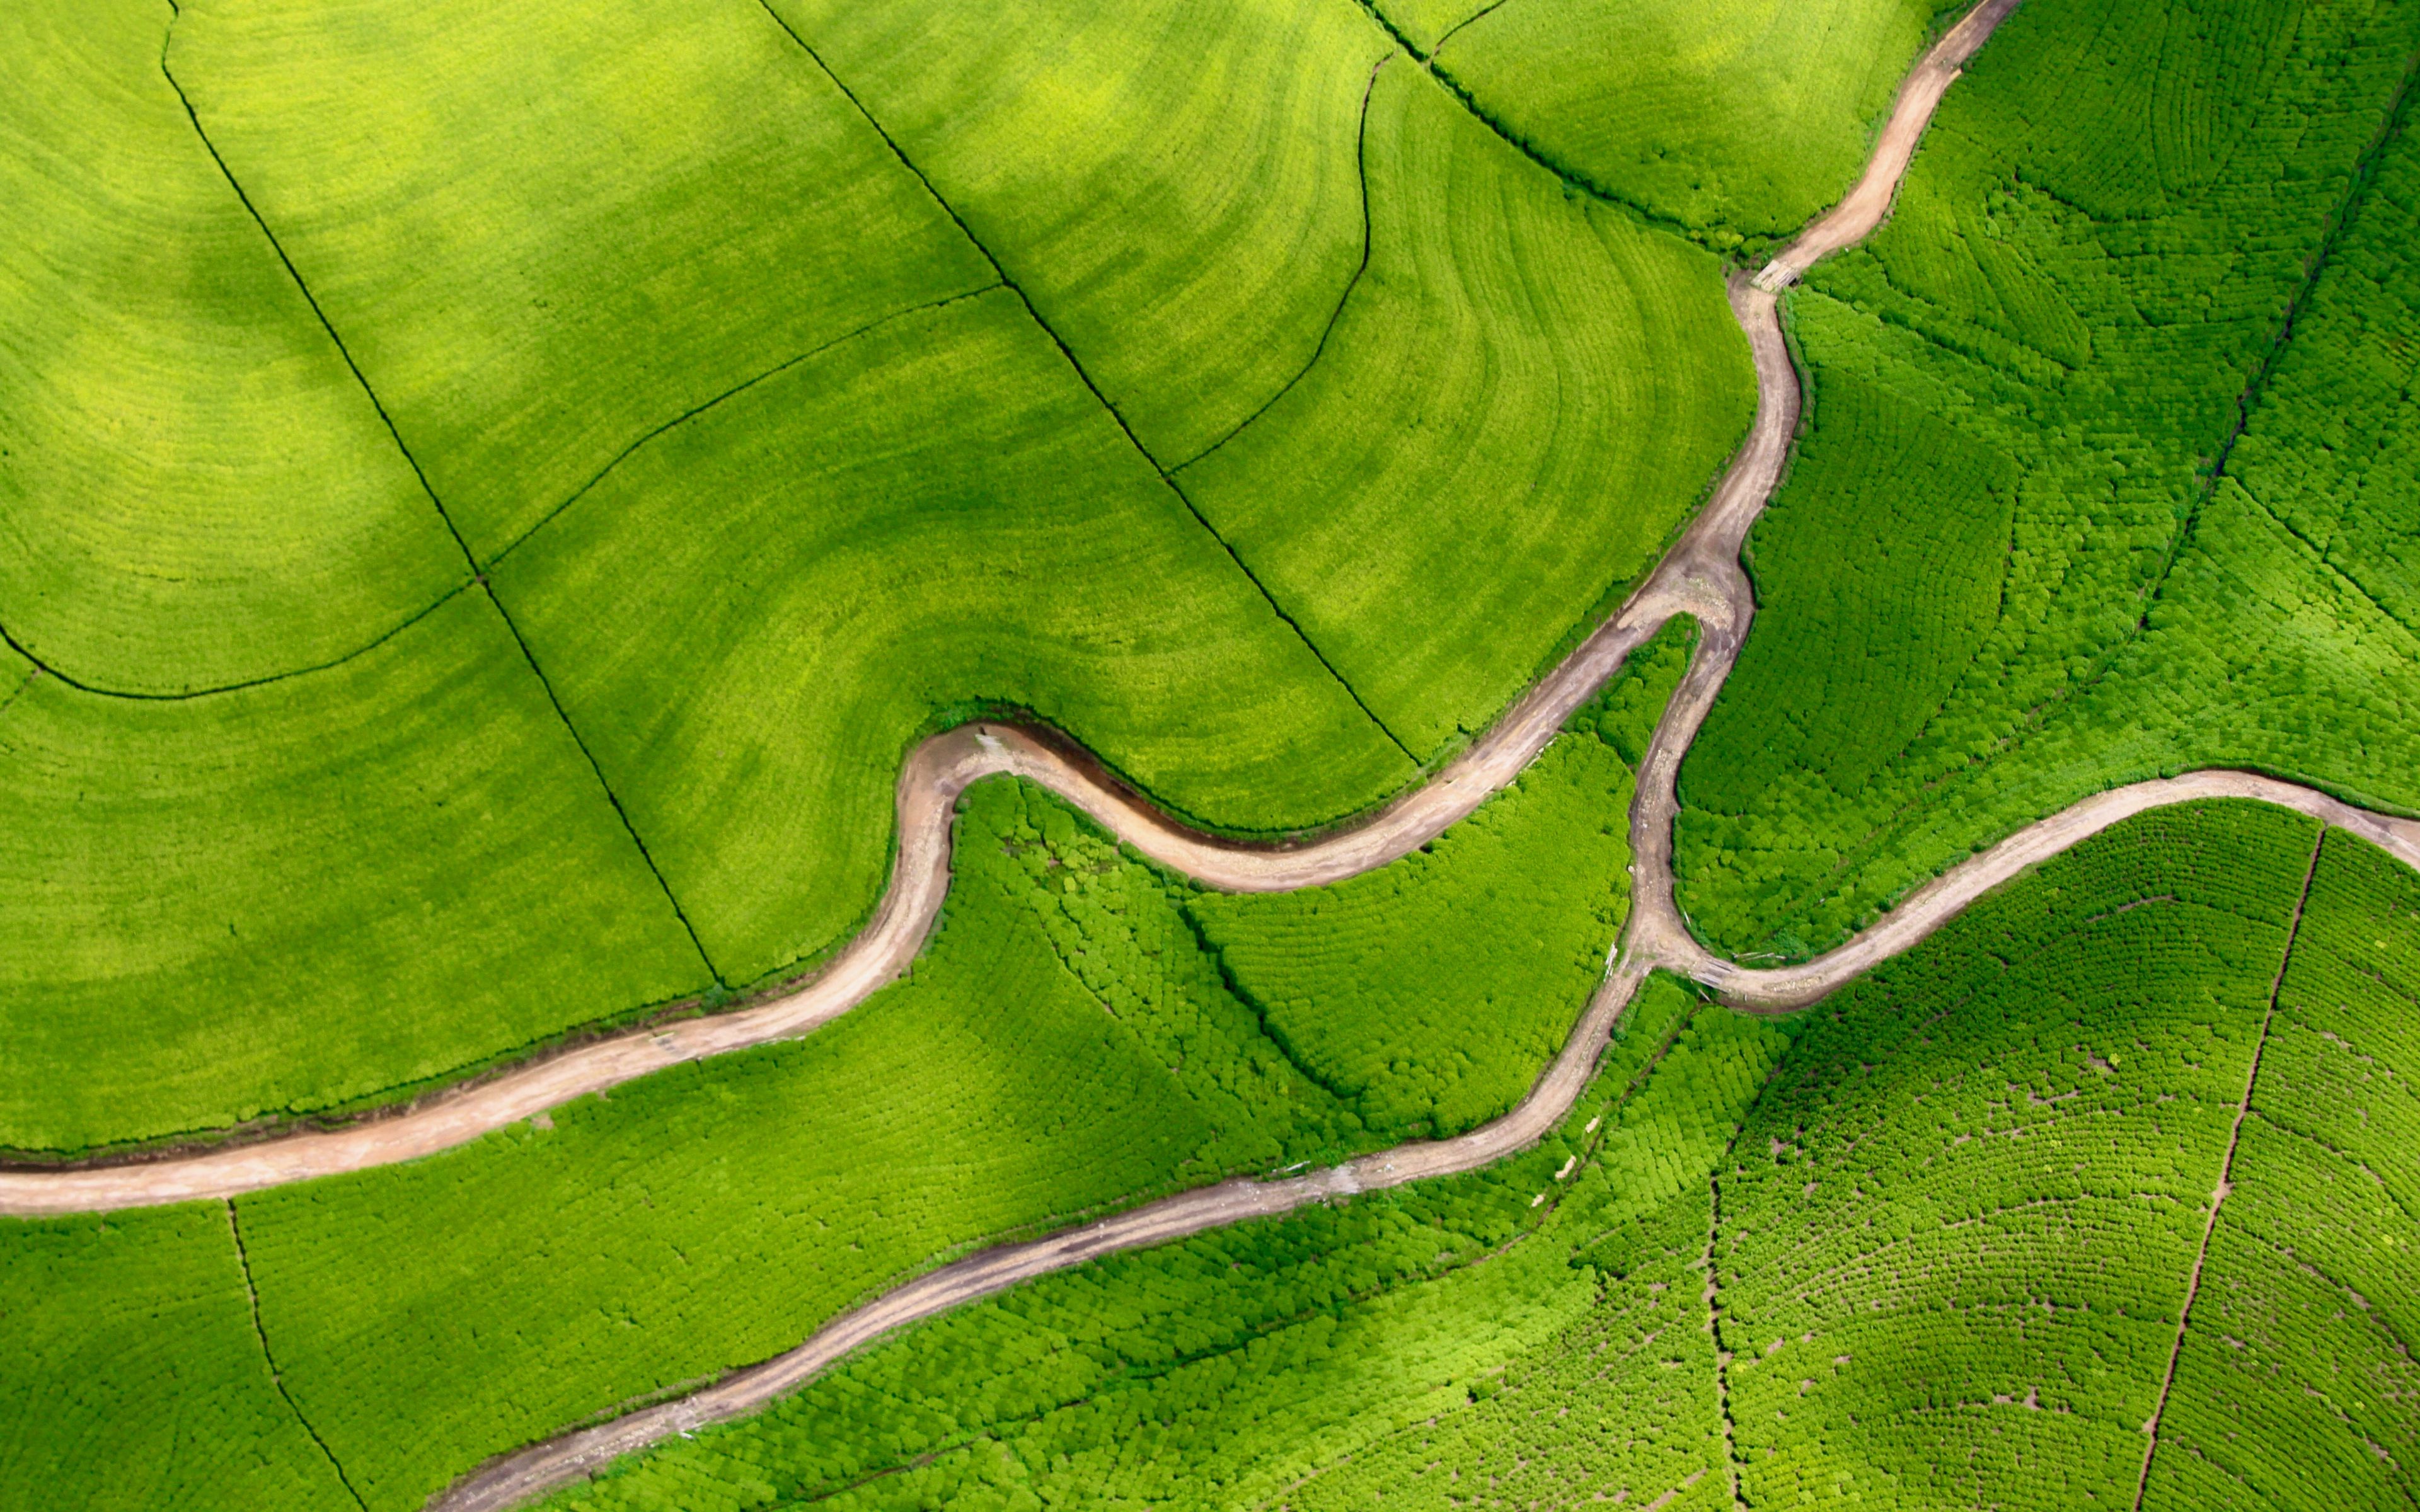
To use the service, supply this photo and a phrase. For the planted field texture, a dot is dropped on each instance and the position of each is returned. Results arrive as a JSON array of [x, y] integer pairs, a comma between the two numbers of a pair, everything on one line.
[[931, 513], [1951, 1216], [1956, 1233], [97, 1314], [193, 490], [2295, 1385], [1069, 1043], [1175, 186], [541, 230], [1560, 385], [1395, 1343], [193, 890], [2066, 574], [1428, 993], [1734, 118]]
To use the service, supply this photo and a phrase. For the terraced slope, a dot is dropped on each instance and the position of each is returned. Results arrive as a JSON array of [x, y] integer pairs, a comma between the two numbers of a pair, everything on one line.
[[2140, 330]]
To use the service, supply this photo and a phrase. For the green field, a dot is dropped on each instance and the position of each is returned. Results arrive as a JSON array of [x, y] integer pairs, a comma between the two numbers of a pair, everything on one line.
[[791, 391], [2024, 553], [490, 497], [1084, 1032], [2034, 1106], [1730, 119]]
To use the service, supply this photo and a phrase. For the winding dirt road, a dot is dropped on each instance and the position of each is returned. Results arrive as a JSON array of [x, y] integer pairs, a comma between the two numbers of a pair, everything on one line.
[[1702, 577]]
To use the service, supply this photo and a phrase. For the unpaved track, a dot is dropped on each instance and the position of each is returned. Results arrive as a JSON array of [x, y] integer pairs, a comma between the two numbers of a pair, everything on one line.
[[1702, 577]]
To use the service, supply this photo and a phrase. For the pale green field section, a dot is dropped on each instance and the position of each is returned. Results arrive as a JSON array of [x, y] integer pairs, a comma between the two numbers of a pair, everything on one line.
[[194, 490], [1524, 396], [306, 893], [544, 231], [1729, 117], [933, 513], [1173, 184]]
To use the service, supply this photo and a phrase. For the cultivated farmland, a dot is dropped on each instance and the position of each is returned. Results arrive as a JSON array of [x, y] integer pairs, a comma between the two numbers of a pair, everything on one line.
[[1226, 506], [1079, 1035], [2034, 1106], [2082, 300]]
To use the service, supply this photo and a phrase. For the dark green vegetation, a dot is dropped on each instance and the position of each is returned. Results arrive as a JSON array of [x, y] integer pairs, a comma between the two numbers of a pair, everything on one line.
[[1077, 1039], [2081, 504], [433, 429], [1951, 1213]]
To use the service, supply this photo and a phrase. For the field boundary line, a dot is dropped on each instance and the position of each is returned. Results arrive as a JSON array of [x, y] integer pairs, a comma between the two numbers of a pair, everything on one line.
[[269, 1358], [1326, 332], [2225, 1186], [477, 575], [1084, 374]]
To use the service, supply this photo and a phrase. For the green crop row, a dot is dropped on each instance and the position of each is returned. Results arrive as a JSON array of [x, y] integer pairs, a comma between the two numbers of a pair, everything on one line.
[[2004, 573]]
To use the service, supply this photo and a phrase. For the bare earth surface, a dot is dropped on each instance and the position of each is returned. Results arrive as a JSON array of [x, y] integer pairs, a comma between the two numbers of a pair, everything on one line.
[[1702, 577]]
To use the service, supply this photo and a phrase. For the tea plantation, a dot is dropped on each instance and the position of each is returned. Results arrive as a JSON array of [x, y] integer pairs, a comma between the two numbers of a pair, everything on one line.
[[493, 496], [598, 443], [2110, 469], [1081, 1035]]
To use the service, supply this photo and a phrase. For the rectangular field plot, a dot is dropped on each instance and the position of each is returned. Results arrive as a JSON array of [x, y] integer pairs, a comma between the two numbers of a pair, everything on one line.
[[196, 490], [308, 893], [545, 230]]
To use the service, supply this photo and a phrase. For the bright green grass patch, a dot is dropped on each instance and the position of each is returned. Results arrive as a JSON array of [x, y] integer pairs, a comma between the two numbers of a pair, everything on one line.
[[929, 516], [1522, 397], [2069, 292], [307, 893], [546, 230], [106, 1321], [2296, 1386], [194, 492], [1430, 992], [1173, 184], [1973, 1329], [1733, 117]]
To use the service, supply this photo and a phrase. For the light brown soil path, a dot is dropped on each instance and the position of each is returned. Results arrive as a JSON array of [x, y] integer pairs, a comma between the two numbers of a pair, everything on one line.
[[1702, 577]]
